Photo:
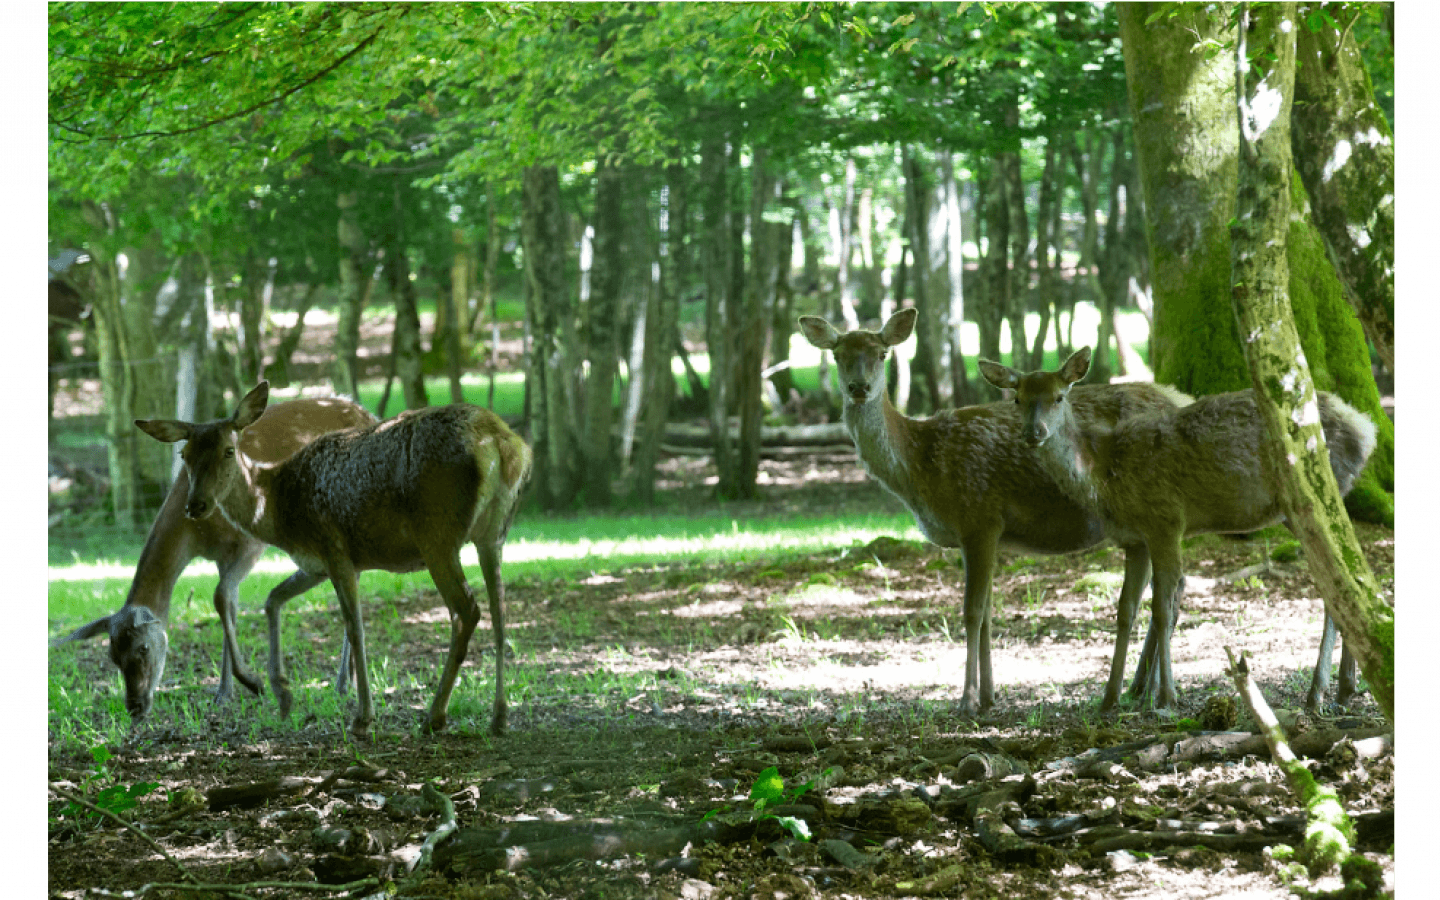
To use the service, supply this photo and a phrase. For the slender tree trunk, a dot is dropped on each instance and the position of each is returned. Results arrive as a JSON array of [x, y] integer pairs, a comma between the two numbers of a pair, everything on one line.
[[991, 310], [290, 340], [353, 271], [489, 300], [759, 299], [716, 260], [845, 249], [782, 321], [1345, 153], [405, 344], [1017, 293], [552, 367], [602, 317], [1046, 274], [925, 365], [1297, 459], [960, 392]]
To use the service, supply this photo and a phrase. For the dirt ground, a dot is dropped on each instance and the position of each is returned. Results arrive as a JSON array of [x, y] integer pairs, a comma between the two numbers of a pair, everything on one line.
[[839, 668]]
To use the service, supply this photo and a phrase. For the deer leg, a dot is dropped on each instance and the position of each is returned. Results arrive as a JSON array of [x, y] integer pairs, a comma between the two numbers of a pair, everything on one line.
[[227, 602], [1159, 684], [281, 594], [449, 579], [1137, 575], [344, 577], [495, 589], [979, 558]]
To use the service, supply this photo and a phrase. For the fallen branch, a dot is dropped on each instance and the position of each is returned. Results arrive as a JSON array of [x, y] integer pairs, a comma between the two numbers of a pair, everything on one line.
[[128, 826], [443, 805], [1329, 834], [238, 890]]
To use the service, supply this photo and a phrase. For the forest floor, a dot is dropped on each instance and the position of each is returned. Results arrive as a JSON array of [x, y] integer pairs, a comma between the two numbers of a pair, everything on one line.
[[840, 668]]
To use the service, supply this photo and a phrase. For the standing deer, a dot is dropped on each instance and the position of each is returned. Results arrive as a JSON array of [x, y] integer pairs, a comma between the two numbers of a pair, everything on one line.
[[1160, 477], [971, 484], [138, 642], [401, 495]]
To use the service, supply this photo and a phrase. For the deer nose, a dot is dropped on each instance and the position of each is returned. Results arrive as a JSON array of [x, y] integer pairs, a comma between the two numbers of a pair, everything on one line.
[[1035, 434], [196, 509], [857, 390]]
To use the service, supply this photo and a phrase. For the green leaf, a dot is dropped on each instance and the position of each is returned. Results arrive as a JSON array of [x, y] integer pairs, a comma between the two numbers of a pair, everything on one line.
[[769, 787]]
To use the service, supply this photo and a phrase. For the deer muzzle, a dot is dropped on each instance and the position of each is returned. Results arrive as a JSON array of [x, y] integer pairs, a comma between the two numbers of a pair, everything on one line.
[[858, 391], [196, 509]]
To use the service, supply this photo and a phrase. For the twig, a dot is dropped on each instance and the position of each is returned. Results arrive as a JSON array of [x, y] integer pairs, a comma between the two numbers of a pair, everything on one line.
[[238, 890], [446, 808], [124, 824]]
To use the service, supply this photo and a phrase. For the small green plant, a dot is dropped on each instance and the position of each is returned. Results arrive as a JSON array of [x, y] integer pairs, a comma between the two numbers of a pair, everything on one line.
[[769, 791], [113, 796]]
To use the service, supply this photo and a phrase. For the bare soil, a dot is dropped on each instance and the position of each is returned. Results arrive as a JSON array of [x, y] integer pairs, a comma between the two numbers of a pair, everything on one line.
[[840, 667]]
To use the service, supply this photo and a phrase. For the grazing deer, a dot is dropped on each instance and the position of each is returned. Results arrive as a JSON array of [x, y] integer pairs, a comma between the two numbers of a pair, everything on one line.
[[400, 495], [970, 483], [138, 642], [1160, 477]]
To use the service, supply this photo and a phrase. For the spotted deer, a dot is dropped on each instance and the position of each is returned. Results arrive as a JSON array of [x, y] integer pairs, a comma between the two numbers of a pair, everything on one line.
[[1159, 477], [400, 495], [137, 631], [971, 483]]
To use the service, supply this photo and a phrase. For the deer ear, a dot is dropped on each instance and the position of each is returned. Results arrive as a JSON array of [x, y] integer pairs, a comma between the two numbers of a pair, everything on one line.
[[1003, 377], [251, 407], [1076, 366], [820, 333], [167, 431], [898, 328]]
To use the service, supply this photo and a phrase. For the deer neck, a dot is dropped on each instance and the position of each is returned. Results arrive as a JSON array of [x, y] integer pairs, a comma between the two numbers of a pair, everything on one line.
[[1069, 456], [247, 503], [881, 432], [167, 549]]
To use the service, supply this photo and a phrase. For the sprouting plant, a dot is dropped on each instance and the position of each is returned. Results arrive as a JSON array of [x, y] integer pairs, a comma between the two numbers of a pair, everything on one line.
[[112, 796], [769, 791]]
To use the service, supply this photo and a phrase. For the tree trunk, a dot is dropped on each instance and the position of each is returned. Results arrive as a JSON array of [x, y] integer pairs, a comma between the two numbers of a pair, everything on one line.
[[489, 300], [1046, 271], [990, 312], [925, 365], [845, 248], [353, 272], [1345, 153], [782, 320], [960, 393], [715, 261], [1298, 462], [1188, 170], [1017, 292], [290, 340], [602, 317], [662, 309], [405, 345], [551, 359], [759, 298]]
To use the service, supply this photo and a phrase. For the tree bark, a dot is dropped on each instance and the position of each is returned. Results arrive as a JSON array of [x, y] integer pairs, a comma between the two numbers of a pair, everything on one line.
[[551, 359], [759, 297], [1046, 271], [405, 343], [1345, 153], [353, 272], [1185, 141], [990, 312], [715, 262], [1298, 463], [602, 340], [925, 364], [960, 391], [845, 249]]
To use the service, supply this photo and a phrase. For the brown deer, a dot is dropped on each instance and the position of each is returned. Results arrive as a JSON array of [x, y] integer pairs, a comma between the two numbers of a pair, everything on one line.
[[137, 631], [1162, 476], [401, 495], [970, 483]]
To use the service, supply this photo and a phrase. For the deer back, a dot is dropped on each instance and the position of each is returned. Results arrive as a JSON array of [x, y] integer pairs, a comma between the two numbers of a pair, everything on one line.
[[384, 494]]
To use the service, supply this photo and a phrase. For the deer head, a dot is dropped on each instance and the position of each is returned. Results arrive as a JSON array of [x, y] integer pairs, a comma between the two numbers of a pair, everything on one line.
[[1040, 395], [860, 355], [210, 449]]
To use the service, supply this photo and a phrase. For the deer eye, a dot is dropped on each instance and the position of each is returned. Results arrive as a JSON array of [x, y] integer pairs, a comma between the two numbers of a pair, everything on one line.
[[229, 452]]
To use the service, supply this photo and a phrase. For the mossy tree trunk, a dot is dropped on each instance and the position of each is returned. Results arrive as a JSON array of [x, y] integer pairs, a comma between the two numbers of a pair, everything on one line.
[[1345, 153], [1183, 106], [1297, 461], [602, 327], [720, 317], [354, 276]]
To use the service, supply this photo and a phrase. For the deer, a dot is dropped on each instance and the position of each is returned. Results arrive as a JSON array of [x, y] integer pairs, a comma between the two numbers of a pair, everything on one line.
[[971, 484], [1162, 476], [400, 495], [138, 630]]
